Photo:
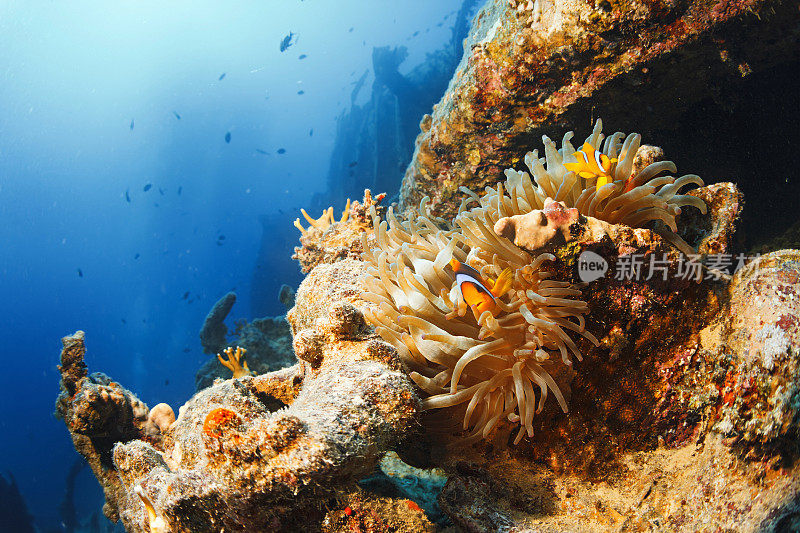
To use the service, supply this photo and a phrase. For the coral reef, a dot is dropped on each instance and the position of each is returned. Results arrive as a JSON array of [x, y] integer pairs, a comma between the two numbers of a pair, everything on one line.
[[327, 240], [684, 417], [536, 68], [681, 381], [234, 361], [727, 425], [99, 414], [272, 452], [496, 355], [267, 341]]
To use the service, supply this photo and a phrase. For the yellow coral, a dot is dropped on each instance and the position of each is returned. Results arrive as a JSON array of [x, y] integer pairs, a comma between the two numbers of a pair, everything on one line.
[[323, 222], [233, 362]]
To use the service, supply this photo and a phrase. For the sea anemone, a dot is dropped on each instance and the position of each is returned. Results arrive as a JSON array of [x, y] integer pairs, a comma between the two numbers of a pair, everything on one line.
[[490, 362], [610, 192]]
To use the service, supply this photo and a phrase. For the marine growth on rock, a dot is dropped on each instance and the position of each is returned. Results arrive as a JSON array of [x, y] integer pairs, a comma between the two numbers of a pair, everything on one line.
[[491, 361], [498, 361], [599, 181]]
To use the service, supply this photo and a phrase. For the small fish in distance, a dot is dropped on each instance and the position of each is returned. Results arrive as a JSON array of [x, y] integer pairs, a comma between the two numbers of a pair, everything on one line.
[[128, 195], [131, 124], [147, 187], [286, 42], [221, 77], [301, 91], [176, 115], [228, 137], [161, 191], [80, 273], [260, 151], [136, 256], [352, 164], [185, 295], [302, 56], [180, 189], [281, 150], [311, 132]]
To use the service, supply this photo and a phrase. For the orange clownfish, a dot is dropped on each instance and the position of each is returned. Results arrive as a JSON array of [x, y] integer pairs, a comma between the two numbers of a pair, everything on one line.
[[474, 290], [592, 163]]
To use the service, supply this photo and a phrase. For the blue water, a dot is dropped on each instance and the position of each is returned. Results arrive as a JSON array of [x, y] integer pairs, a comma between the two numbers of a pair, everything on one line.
[[75, 254]]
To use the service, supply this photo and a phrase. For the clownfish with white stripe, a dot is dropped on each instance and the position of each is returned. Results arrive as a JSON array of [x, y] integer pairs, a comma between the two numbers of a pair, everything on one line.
[[479, 294], [592, 163]]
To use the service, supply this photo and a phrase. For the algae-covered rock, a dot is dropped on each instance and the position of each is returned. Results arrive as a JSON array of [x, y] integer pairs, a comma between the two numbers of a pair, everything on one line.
[[545, 67], [272, 452]]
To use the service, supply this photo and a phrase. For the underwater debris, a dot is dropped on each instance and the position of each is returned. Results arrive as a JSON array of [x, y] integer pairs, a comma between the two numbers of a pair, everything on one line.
[[234, 362], [14, 515]]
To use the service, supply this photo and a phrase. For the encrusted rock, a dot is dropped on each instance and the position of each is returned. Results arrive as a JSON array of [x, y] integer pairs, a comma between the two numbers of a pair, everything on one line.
[[268, 452], [98, 414], [554, 64], [327, 240], [759, 359]]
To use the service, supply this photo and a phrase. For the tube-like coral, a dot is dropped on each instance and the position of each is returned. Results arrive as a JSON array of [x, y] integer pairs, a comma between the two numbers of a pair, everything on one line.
[[493, 360]]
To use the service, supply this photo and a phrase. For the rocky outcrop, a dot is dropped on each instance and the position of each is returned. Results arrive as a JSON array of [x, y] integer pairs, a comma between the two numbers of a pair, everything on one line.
[[534, 68], [275, 452]]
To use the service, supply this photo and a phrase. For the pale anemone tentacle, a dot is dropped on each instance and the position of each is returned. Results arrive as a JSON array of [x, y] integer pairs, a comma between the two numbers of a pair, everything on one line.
[[549, 178], [495, 361], [496, 364]]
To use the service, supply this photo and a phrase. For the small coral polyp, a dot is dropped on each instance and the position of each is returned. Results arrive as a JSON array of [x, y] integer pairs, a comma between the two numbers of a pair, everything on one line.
[[490, 362], [612, 194]]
